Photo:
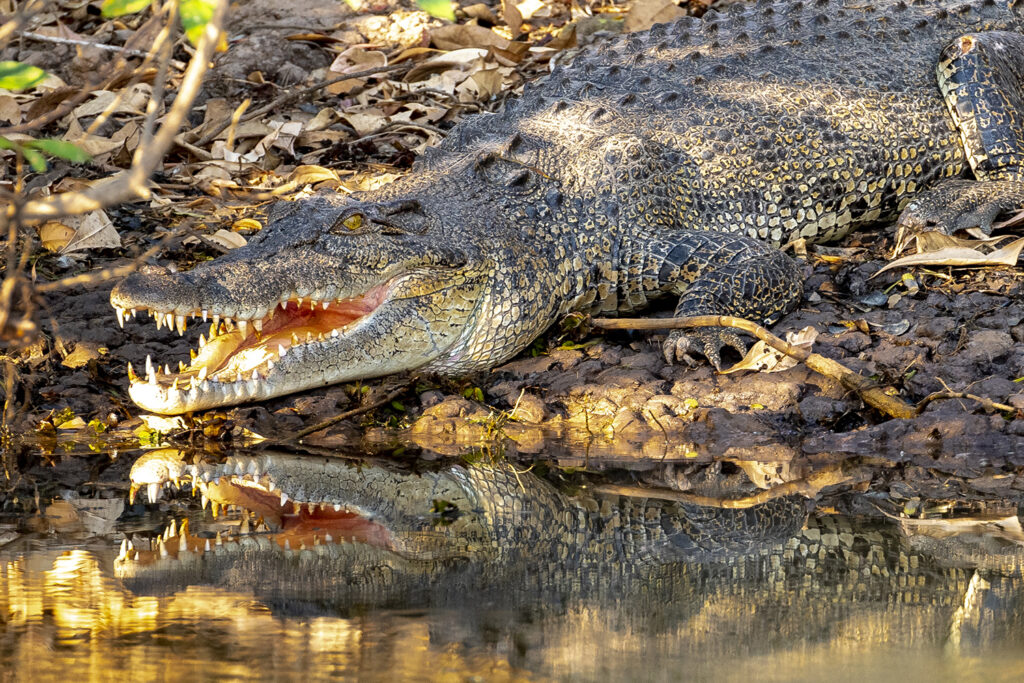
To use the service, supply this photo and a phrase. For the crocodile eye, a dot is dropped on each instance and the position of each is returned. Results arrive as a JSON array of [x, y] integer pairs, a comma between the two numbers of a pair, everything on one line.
[[353, 222]]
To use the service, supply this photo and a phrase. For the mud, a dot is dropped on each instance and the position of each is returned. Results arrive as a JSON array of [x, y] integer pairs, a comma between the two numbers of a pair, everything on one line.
[[960, 331]]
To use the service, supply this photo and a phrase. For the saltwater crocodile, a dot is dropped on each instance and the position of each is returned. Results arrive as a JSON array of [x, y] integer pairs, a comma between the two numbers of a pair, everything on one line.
[[665, 163], [348, 536]]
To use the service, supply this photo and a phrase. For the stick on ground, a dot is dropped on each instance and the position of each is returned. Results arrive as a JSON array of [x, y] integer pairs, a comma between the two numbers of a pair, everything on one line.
[[872, 394]]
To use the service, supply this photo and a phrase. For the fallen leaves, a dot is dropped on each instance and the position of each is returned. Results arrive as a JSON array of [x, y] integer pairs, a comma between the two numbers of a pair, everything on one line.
[[763, 358], [937, 249], [78, 233]]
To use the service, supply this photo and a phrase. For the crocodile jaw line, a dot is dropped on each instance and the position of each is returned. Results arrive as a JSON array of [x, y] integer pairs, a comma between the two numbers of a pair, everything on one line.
[[244, 358]]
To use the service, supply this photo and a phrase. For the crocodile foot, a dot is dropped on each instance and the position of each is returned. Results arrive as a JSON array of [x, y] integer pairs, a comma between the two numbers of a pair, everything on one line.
[[708, 341], [956, 205]]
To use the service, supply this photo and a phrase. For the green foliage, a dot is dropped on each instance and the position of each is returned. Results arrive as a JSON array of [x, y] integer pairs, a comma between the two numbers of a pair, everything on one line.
[[474, 394], [442, 9], [195, 15], [116, 8], [61, 150], [33, 151], [19, 76]]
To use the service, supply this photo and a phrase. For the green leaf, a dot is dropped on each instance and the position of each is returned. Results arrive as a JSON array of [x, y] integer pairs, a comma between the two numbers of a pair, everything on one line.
[[35, 159], [19, 76], [115, 8], [195, 15], [7, 144], [442, 9], [61, 150]]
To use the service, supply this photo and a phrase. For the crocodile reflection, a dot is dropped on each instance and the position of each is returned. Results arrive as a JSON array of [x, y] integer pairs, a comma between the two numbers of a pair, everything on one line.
[[349, 535]]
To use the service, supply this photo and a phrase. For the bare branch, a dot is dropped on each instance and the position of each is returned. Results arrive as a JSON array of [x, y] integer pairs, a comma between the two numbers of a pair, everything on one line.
[[130, 184]]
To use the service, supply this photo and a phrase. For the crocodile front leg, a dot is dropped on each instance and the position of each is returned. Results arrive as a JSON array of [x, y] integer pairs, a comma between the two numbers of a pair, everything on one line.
[[981, 76], [713, 273]]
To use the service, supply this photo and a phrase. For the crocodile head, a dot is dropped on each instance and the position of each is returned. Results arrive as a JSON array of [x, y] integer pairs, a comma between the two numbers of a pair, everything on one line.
[[349, 515], [333, 290]]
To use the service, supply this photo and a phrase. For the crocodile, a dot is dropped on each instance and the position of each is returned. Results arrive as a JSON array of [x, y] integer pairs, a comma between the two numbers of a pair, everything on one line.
[[347, 536], [666, 164]]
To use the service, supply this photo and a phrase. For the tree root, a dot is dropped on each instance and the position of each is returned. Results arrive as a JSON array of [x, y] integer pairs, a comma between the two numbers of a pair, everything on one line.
[[872, 394]]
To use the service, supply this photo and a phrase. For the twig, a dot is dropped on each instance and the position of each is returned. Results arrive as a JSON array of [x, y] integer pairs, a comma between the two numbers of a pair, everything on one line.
[[100, 46], [288, 97], [130, 184], [986, 403], [297, 436], [870, 392], [810, 486]]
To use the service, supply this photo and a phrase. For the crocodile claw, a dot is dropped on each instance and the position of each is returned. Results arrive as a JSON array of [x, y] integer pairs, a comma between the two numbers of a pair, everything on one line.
[[953, 206], [708, 341]]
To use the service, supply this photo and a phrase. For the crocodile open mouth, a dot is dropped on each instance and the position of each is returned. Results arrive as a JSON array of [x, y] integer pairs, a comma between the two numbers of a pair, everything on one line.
[[269, 519], [237, 353]]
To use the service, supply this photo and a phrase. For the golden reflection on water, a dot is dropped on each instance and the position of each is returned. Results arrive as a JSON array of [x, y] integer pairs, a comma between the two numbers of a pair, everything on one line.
[[63, 614]]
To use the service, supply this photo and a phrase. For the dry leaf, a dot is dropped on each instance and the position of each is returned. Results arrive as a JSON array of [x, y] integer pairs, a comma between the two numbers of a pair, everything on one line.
[[227, 239], [91, 231], [365, 120], [488, 82], [350, 61], [529, 8], [646, 13], [961, 256], [763, 358], [311, 174], [455, 36], [1007, 528], [9, 110], [54, 235], [513, 19]]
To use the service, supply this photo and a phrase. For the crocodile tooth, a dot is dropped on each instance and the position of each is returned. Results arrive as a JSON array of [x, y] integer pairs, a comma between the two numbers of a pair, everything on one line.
[[150, 372], [220, 541], [123, 552], [179, 321], [120, 316], [206, 314], [162, 547], [167, 369], [270, 365], [132, 377], [287, 544], [202, 373], [229, 325], [298, 302], [309, 337], [255, 376], [159, 320], [257, 324], [174, 384], [328, 538], [243, 326], [334, 333], [281, 351], [312, 304], [270, 314], [205, 501], [216, 322], [192, 384], [295, 339], [337, 507], [207, 545], [326, 304], [182, 545], [253, 468], [245, 528], [182, 367], [202, 340], [284, 498], [133, 311], [169, 321], [192, 354]]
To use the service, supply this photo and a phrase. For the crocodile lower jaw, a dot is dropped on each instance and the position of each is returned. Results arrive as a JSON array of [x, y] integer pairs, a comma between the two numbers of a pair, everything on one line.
[[237, 362]]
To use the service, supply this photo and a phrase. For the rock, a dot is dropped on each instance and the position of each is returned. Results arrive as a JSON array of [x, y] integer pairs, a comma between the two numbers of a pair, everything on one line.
[[529, 408]]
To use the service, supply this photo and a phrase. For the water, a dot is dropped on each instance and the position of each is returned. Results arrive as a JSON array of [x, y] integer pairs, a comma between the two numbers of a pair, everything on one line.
[[541, 577]]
